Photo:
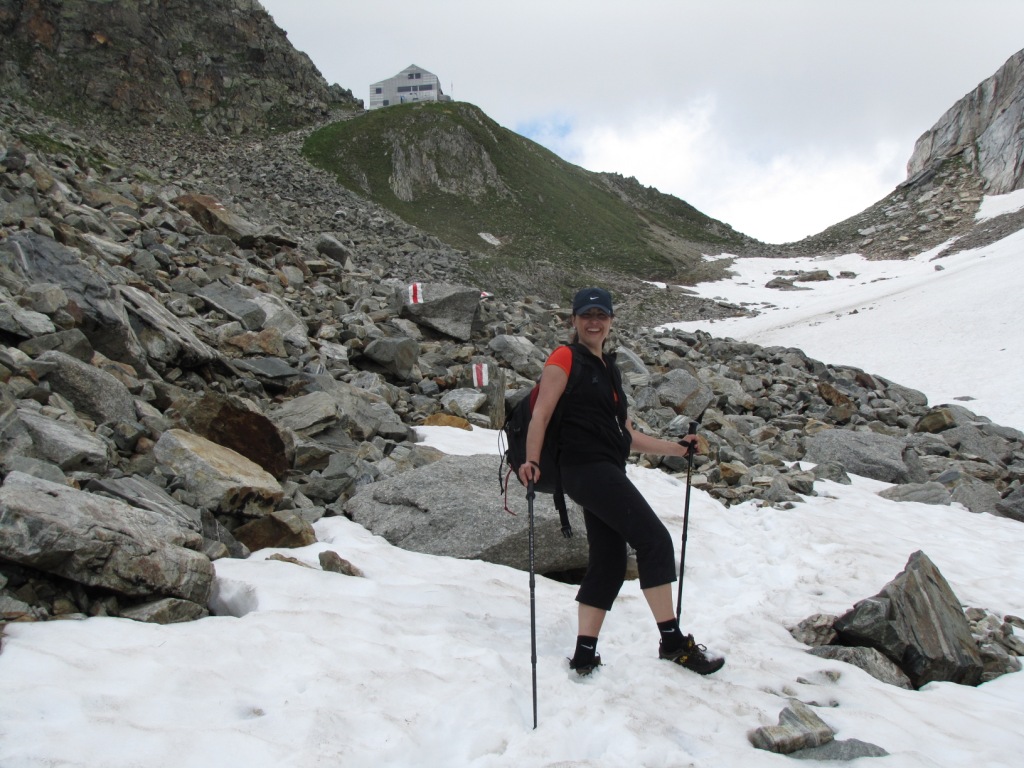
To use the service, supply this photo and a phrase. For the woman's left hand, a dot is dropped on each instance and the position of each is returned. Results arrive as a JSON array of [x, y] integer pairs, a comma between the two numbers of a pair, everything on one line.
[[690, 444]]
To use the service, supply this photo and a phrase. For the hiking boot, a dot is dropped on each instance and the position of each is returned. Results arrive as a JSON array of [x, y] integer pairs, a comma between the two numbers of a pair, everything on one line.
[[692, 656], [585, 668]]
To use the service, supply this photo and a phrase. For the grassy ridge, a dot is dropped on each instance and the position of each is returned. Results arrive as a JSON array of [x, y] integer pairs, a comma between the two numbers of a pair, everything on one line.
[[474, 176]]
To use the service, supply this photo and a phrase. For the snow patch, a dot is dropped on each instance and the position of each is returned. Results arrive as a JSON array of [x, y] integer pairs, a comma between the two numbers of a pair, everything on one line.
[[997, 205]]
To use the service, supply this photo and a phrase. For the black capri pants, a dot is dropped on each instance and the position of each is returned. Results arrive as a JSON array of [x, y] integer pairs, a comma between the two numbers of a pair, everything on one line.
[[617, 514]]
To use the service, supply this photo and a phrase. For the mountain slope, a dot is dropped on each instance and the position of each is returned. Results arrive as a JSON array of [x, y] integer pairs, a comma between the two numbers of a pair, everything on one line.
[[985, 127], [222, 64], [454, 172], [975, 148]]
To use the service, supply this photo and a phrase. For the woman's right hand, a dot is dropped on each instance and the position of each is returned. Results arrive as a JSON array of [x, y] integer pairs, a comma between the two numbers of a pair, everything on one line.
[[529, 472]]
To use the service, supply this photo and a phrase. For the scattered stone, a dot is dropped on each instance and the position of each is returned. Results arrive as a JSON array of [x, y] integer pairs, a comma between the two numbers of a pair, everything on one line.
[[335, 563], [799, 728], [843, 750], [868, 659]]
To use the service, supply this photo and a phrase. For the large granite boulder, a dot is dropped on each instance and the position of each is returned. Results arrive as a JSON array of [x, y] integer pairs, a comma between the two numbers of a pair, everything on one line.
[[453, 507], [868, 454], [100, 542]]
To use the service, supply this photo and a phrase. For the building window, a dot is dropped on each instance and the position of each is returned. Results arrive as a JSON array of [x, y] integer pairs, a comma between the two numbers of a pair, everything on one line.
[[386, 102], [409, 76], [418, 75], [378, 90], [427, 87]]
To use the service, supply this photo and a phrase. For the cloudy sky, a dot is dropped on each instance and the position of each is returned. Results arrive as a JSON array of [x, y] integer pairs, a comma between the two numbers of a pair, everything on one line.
[[779, 117]]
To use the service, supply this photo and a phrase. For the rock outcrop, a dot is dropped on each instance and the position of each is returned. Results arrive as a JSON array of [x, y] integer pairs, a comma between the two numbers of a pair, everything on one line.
[[915, 632], [986, 128], [975, 149], [224, 63]]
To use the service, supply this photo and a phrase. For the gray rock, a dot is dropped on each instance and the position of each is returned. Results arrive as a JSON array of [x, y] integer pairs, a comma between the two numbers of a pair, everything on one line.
[[521, 354], [169, 610], [1012, 505], [309, 414], [418, 510], [973, 442], [977, 496], [397, 356], [451, 309], [988, 122], [878, 457], [831, 470], [99, 542], [815, 630], [869, 659], [140, 492], [235, 301], [219, 478], [917, 622], [105, 321], [799, 728], [843, 750], [364, 415], [923, 493], [70, 447], [165, 338], [94, 392], [685, 393], [463, 402]]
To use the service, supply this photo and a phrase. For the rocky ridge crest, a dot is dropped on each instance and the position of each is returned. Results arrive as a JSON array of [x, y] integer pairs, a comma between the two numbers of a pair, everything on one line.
[[223, 65]]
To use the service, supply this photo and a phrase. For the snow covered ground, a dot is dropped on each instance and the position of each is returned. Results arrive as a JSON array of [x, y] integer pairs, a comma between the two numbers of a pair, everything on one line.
[[949, 326], [426, 660]]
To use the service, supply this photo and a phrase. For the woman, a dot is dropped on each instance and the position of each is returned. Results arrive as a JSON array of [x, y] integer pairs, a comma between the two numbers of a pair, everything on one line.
[[594, 439]]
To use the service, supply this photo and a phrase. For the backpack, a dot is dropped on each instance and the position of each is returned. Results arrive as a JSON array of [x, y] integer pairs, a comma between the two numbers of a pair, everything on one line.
[[514, 435]]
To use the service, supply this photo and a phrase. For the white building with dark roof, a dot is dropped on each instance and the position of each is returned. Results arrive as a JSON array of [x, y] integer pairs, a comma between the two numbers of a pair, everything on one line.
[[411, 84]]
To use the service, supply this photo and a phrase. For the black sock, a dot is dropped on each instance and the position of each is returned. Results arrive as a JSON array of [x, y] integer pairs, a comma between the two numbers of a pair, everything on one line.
[[671, 635], [586, 649]]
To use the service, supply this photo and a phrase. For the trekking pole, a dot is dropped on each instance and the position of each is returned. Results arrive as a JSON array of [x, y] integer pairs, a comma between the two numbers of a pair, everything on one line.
[[686, 518], [533, 604]]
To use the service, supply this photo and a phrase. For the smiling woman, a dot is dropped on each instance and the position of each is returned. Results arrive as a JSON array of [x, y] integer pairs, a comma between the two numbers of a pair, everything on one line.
[[594, 438]]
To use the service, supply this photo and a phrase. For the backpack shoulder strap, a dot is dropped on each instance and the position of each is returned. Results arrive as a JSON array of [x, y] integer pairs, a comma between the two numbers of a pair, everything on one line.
[[575, 375], [576, 371]]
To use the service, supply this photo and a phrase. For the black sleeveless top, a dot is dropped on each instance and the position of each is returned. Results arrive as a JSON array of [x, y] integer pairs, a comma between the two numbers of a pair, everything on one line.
[[593, 421]]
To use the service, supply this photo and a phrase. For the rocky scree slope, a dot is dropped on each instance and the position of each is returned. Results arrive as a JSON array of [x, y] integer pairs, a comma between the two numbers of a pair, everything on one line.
[[185, 377]]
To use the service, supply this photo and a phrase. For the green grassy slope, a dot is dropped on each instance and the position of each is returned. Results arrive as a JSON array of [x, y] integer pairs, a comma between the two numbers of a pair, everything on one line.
[[455, 173]]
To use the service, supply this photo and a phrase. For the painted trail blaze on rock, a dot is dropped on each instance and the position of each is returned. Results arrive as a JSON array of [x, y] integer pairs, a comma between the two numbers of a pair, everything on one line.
[[480, 376], [450, 309]]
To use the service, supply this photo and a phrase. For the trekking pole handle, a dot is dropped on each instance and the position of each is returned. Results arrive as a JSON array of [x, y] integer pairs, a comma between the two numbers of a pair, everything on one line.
[[691, 446]]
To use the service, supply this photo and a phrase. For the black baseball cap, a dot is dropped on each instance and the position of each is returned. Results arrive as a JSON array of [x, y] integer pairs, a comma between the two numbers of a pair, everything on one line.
[[592, 298]]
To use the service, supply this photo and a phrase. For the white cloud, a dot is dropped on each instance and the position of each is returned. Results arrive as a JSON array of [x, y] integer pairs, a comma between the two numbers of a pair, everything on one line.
[[778, 197]]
